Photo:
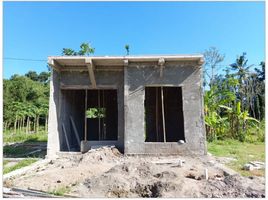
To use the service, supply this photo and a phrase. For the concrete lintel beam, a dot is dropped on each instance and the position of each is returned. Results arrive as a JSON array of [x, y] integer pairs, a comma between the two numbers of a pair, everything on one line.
[[90, 66], [125, 62], [54, 64], [161, 62], [201, 61]]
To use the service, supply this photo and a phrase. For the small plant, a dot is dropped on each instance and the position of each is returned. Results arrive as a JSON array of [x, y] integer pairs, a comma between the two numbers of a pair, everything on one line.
[[127, 48], [60, 191]]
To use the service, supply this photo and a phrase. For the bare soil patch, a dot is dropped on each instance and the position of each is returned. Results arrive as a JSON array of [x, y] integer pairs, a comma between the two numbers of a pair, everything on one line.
[[104, 172]]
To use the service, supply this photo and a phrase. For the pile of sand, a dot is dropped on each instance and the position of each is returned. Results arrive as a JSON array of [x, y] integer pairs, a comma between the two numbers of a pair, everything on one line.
[[105, 172]]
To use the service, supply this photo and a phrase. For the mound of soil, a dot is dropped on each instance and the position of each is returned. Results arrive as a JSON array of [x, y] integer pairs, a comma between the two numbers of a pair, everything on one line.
[[105, 172]]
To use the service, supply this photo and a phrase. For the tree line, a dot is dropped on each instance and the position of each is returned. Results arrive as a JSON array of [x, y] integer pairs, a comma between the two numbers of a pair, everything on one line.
[[25, 102], [234, 99]]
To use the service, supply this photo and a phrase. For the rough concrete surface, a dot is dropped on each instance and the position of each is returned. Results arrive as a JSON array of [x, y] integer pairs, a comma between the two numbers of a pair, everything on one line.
[[130, 82], [104, 172]]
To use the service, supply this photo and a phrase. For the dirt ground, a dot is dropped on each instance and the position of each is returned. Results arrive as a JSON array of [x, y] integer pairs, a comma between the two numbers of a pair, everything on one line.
[[105, 172]]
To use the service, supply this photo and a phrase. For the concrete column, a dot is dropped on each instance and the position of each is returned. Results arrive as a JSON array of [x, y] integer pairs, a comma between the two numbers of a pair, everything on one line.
[[53, 117]]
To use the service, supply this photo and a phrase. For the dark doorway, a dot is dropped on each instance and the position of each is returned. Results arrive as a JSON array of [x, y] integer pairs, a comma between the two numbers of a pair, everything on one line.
[[168, 100], [102, 115]]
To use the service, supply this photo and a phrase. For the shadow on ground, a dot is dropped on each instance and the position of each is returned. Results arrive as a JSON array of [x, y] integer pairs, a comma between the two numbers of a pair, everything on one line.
[[27, 149]]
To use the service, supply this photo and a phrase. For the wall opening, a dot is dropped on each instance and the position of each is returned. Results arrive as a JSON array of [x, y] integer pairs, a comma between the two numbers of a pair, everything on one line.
[[102, 115], [170, 126], [100, 112], [72, 119]]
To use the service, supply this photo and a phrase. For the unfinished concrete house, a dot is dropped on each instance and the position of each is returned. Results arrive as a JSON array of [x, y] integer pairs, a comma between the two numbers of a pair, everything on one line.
[[140, 104]]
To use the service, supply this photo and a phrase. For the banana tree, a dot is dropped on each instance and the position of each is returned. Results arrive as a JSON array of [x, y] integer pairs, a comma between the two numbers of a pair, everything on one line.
[[215, 126], [238, 120]]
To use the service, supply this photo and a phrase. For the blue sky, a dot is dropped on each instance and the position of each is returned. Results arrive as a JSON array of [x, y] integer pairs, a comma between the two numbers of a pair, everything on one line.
[[35, 30]]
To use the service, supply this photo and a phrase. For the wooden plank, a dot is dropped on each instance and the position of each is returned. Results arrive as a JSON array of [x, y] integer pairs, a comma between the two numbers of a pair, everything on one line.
[[104, 127], [156, 114], [79, 87], [97, 68], [163, 114], [90, 67], [161, 62], [85, 115], [98, 111]]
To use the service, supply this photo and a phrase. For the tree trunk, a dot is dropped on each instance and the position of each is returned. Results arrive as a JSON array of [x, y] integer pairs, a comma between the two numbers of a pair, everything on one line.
[[5, 127], [34, 124], [27, 125], [46, 124], [23, 122], [37, 123], [15, 124], [19, 125]]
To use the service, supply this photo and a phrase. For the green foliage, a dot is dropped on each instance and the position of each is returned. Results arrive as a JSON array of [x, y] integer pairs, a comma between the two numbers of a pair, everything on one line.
[[9, 136], [234, 102], [60, 191], [127, 48], [26, 101], [32, 75], [96, 113], [85, 49], [239, 121], [20, 164]]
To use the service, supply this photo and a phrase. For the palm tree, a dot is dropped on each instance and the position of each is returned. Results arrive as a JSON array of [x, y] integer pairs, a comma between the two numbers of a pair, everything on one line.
[[242, 70]]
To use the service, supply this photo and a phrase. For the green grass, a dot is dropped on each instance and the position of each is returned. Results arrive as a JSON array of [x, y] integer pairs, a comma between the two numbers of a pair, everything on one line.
[[243, 152], [19, 165], [60, 191], [10, 136], [15, 151]]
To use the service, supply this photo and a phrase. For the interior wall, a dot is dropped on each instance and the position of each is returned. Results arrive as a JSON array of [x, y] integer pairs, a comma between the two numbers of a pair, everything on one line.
[[106, 128], [73, 106], [174, 119]]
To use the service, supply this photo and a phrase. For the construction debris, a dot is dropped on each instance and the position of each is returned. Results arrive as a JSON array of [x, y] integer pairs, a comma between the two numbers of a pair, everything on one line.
[[254, 165]]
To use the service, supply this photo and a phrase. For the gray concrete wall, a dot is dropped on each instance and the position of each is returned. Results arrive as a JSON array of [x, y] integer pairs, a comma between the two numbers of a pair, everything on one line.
[[53, 143], [104, 80], [130, 85], [137, 76]]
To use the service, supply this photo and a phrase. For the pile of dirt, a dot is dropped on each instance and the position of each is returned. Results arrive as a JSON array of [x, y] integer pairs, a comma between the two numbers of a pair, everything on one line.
[[103, 154], [234, 186], [131, 180], [105, 172]]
